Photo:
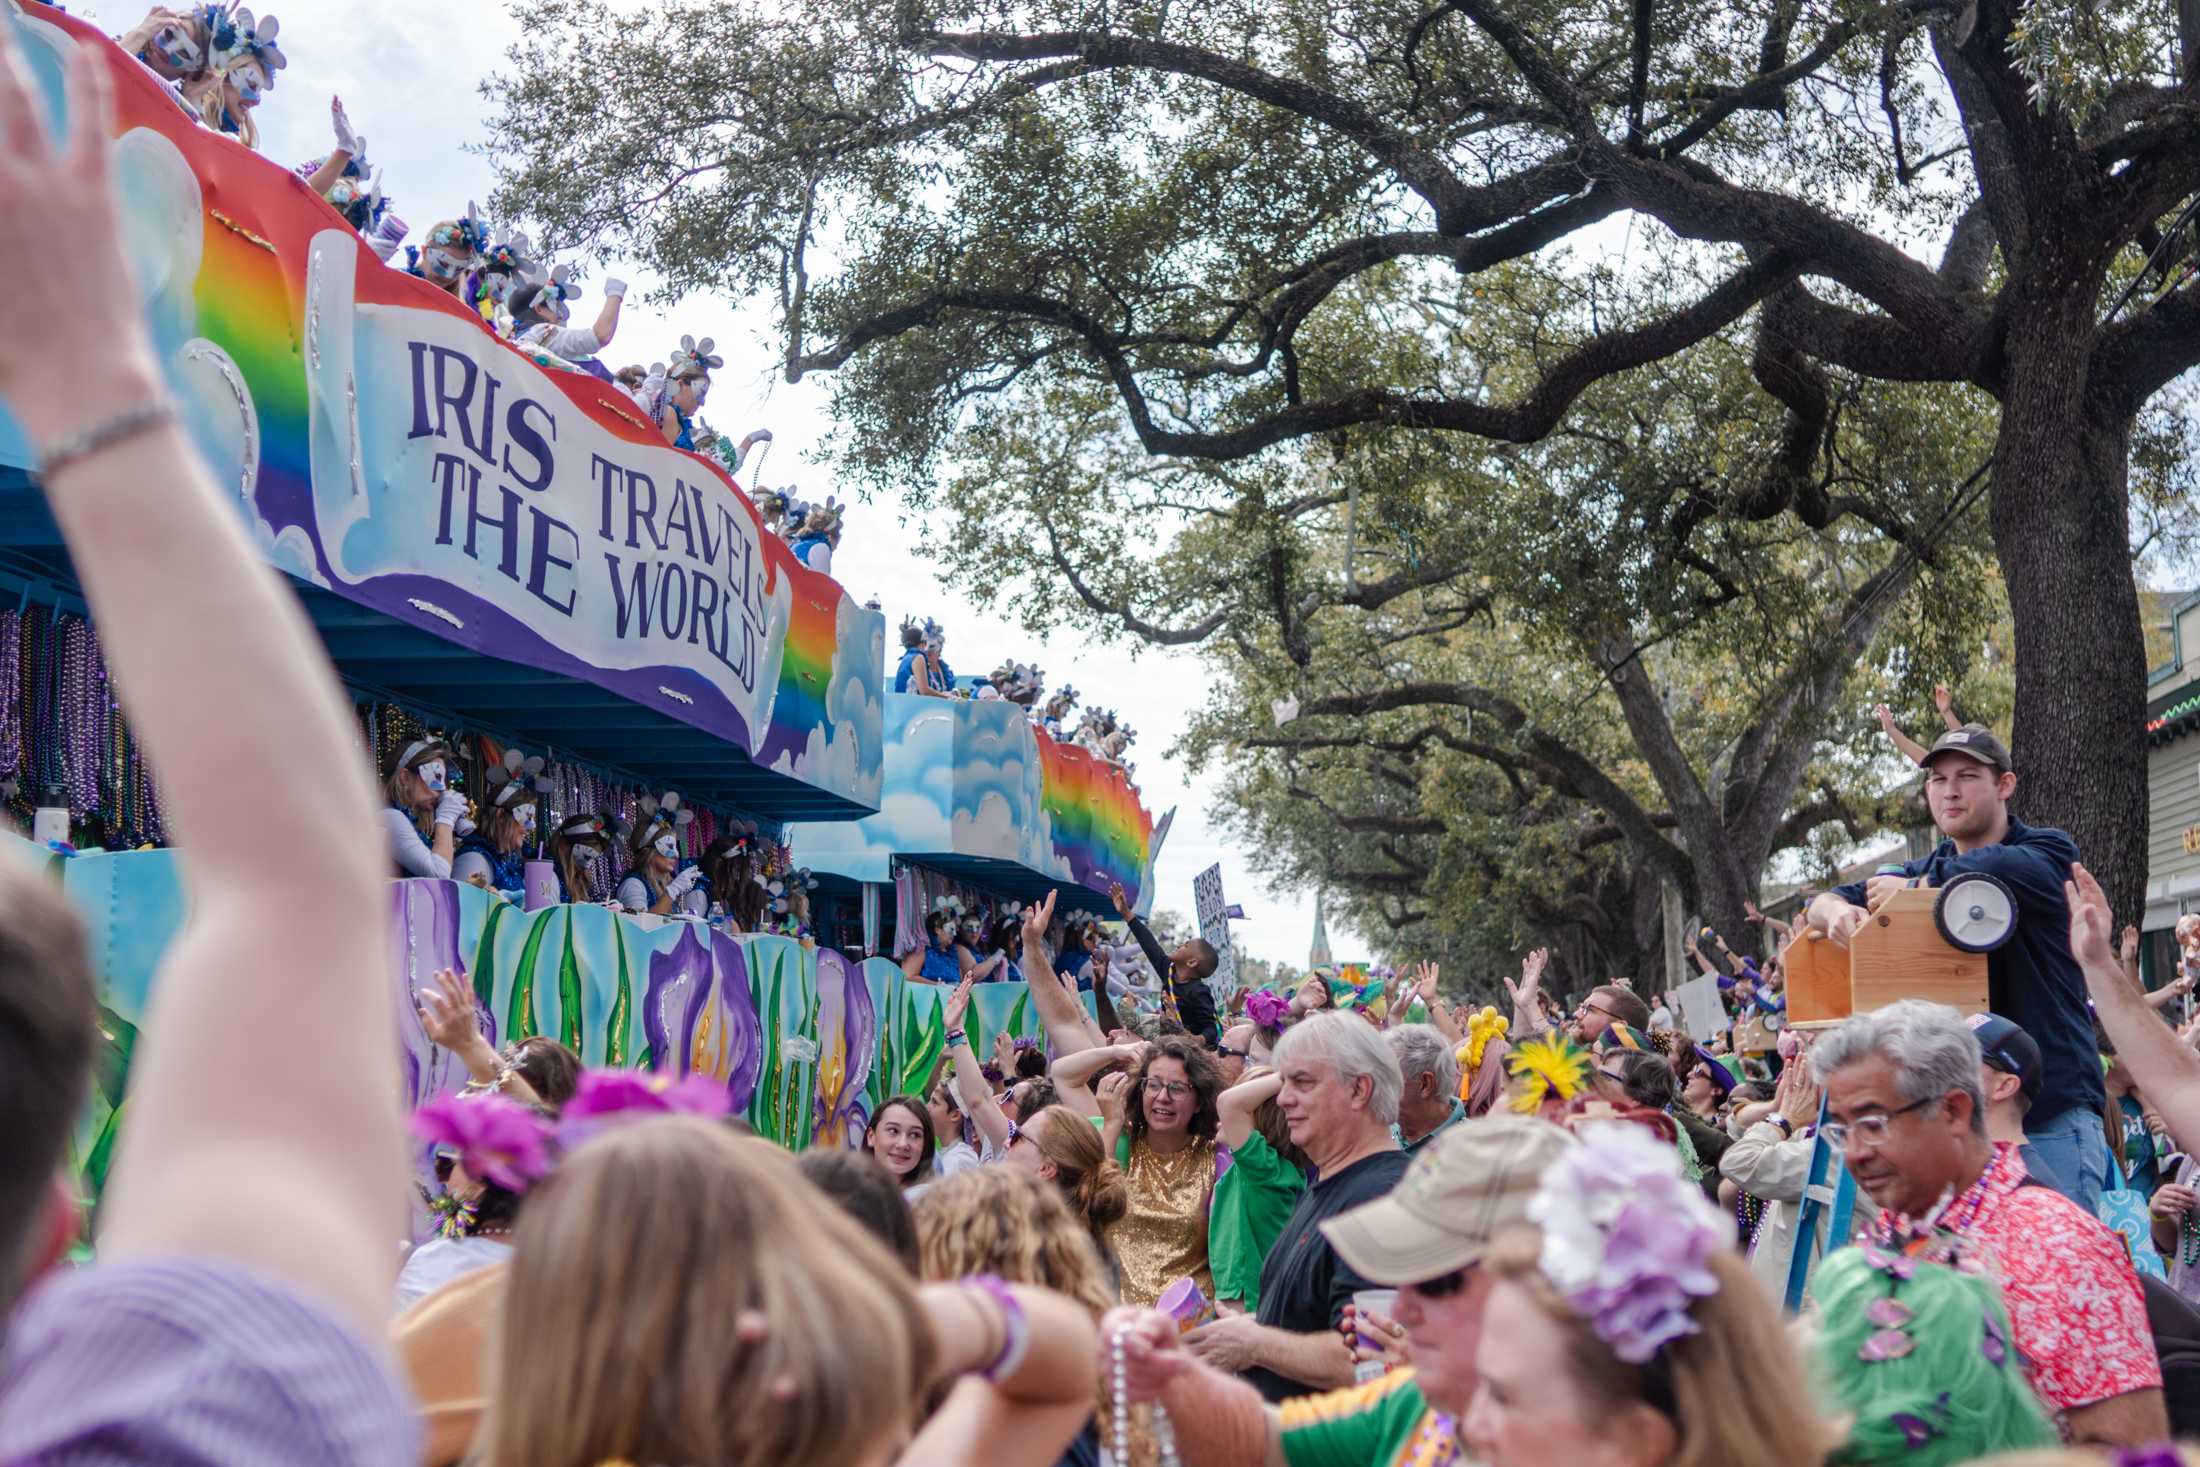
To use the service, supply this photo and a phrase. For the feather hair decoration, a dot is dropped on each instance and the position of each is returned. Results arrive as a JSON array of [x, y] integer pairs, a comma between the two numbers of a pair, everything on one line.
[[1552, 1067]]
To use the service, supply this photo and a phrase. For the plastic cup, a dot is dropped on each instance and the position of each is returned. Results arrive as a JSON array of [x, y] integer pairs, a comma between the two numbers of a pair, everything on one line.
[[541, 880], [1187, 1304], [1364, 1303]]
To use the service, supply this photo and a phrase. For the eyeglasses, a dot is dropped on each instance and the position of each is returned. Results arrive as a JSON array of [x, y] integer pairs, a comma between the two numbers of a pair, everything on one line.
[[1174, 1089], [1597, 1008], [1870, 1130]]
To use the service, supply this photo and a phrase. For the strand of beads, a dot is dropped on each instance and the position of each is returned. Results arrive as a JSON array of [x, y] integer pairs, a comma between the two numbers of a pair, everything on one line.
[[1164, 1433], [11, 694], [2188, 1244]]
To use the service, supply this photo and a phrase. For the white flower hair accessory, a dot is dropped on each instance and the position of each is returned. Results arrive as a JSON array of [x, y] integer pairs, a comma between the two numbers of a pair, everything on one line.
[[1627, 1241], [517, 774], [692, 357]]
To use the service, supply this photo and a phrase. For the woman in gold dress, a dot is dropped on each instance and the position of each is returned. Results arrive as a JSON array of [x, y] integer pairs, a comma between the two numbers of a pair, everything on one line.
[[1160, 1122]]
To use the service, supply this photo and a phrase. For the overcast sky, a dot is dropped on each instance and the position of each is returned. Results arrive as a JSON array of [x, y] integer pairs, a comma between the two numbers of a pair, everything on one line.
[[409, 75]]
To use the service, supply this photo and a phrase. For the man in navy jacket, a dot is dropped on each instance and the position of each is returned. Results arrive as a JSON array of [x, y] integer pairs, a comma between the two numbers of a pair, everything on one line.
[[2032, 978]]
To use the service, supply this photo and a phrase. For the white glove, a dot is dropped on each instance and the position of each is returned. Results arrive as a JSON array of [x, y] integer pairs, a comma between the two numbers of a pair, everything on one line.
[[685, 882], [614, 288], [450, 809], [761, 435], [346, 139]]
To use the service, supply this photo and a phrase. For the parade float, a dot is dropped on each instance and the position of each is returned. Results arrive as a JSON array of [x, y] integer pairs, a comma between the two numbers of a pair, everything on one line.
[[983, 807], [503, 552]]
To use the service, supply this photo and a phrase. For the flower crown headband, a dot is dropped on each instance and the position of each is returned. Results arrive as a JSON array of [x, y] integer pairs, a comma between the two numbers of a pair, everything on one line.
[[466, 233], [693, 358], [509, 255], [1628, 1242], [516, 776], [234, 36]]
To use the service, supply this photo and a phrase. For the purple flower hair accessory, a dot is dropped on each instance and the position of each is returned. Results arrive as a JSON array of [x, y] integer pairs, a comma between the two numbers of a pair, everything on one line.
[[1627, 1242], [602, 1095], [2161, 1454], [1266, 1009], [496, 1139]]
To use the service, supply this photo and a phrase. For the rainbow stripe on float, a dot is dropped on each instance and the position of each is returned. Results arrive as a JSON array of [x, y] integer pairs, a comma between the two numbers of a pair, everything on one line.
[[249, 299], [1099, 826]]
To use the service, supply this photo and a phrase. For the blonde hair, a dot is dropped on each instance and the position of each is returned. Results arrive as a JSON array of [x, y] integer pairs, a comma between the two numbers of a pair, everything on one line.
[[1087, 1176], [618, 1335], [499, 821], [216, 102], [400, 792], [1000, 1220], [565, 855], [1739, 1389]]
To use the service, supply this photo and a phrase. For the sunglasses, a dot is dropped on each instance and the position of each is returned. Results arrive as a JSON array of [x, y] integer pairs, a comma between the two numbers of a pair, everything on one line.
[[445, 1161], [1443, 1286]]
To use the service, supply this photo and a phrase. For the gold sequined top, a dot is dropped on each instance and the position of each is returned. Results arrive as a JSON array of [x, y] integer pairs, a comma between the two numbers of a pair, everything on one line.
[[1164, 1235]]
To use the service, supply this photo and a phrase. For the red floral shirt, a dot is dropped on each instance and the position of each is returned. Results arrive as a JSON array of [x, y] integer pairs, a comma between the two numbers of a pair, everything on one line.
[[2075, 1305]]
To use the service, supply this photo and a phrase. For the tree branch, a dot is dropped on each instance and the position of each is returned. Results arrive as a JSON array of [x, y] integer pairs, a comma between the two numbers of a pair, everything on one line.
[[1162, 636]]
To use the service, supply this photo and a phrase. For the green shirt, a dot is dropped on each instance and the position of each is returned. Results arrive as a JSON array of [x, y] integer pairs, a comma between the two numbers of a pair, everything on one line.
[[1384, 1423], [1253, 1200]]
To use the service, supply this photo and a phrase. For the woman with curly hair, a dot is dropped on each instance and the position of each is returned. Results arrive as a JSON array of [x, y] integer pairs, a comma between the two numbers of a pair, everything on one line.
[[1161, 1124]]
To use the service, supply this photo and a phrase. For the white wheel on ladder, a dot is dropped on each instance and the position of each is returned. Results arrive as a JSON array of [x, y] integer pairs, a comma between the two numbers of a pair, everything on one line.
[[1975, 912]]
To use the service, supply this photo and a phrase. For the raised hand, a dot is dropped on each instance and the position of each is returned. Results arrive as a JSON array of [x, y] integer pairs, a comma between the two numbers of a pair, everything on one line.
[[1038, 917], [2090, 921], [957, 1005], [1113, 1094], [447, 1011], [1122, 901], [347, 141]]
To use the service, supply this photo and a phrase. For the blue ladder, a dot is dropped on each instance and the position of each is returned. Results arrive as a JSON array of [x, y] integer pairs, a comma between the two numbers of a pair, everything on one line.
[[1829, 1186]]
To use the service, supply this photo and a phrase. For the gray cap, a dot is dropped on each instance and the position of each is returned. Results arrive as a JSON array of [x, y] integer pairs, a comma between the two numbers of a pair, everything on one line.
[[1972, 741], [1468, 1185]]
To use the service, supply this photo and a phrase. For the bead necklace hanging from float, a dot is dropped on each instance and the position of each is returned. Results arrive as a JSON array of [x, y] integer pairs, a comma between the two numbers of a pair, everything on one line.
[[61, 727]]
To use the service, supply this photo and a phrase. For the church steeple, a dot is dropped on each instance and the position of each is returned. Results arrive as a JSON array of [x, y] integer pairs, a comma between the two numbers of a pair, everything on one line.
[[1319, 957]]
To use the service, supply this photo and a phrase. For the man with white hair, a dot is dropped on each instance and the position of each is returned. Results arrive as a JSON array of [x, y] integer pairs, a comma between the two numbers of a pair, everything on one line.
[[1339, 1099], [1429, 1103], [1907, 1111]]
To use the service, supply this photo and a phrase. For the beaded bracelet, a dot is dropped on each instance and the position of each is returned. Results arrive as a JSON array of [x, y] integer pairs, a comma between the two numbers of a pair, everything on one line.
[[1015, 1328], [957, 1038], [124, 425]]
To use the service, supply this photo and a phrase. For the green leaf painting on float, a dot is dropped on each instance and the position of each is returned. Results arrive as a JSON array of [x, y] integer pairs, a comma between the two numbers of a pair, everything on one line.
[[485, 954], [622, 1004], [110, 1087], [572, 1030], [519, 1018]]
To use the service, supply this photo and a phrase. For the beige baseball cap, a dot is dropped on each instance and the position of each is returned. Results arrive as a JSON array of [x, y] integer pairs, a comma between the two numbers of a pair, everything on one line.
[[1466, 1186]]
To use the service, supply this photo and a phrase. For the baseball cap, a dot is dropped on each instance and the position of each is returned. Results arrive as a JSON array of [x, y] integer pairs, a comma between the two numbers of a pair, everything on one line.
[[1973, 741], [2010, 1050], [1465, 1187]]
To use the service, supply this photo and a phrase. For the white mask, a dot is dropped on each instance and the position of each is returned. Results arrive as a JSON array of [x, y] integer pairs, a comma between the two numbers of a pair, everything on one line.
[[445, 264], [667, 847], [589, 855], [434, 775], [525, 817], [175, 47], [251, 83]]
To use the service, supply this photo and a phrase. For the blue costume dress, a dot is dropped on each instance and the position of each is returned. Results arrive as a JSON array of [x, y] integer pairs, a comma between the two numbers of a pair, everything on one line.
[[908, 664], [506, 873], [807, 546], [940, 965]]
